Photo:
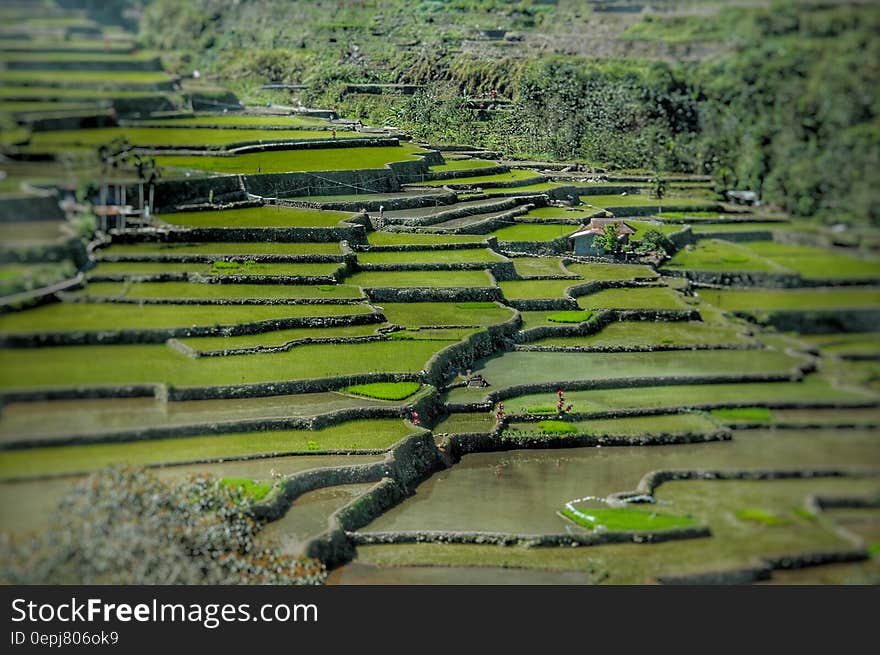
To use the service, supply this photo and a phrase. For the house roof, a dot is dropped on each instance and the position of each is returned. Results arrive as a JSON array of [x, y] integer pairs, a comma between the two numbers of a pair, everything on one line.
[[597, 226]]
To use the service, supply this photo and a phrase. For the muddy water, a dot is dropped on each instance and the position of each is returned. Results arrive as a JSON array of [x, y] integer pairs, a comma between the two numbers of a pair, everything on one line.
[[308, 515], [27, 505], [357, 573], [101, 416], [521, 491]]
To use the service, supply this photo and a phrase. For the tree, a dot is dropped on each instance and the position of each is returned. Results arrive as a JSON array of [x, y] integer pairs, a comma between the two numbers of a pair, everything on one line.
[[659, 186], [654, 240], [126, 526], [608, 239]]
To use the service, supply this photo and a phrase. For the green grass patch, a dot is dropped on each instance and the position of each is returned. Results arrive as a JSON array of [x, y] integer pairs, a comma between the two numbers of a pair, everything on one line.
[[254, 490], [511, 176], [556, 428], [80, 78], [157, 136], [813, 263], [66, 366], [744, 414], [535, 289], [222, 249], [539, 232], [70, 317], [639, 201], [570, 316], [470, 255], [626, 519], [415, 239], [761, 516], [406, 279], [385, 390], [463, 165], [417, 314], [791, 299], [244, 120], [601, 272], [279, 337], [287, 161], [258, 217], [652, 333], [374, 434], [717, 255], [633, 298], [537, 266], [207, 291]]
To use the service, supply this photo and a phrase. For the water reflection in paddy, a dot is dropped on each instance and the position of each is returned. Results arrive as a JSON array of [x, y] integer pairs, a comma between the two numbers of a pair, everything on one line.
[[58, 418], [308, 516], [26, 505], [521, 491]]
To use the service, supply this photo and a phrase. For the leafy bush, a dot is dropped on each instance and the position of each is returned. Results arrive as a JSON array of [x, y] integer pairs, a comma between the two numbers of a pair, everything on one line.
[[126, 526]]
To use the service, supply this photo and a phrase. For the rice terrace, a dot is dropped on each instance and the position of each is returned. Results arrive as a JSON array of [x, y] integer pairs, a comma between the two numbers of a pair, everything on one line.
[[389, 292]]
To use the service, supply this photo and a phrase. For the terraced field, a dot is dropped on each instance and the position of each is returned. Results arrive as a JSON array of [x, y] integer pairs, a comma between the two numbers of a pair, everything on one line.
[[337, 328]]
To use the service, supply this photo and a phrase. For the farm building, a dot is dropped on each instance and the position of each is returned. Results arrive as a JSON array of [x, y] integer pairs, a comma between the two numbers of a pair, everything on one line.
[[584, 241]]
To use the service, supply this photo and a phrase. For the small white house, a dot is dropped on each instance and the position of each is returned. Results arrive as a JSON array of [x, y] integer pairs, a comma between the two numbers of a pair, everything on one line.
[[583, 242]]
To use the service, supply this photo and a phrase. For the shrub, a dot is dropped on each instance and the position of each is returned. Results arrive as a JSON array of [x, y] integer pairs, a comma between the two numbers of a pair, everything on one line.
[[126, 526]]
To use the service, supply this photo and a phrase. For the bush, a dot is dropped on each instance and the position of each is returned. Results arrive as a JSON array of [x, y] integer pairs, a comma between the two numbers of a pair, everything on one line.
[[126, 526]]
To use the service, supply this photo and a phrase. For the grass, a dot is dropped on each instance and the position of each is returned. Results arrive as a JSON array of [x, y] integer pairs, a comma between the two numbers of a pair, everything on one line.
[[791, 299], [222, 248], [813, 263], [717, 255], [157, 136], [278, 337], [286, 161], [651, 333], [435, 279], [633, 298], [33, 92], [528, 289], [856, 343], [811, 389], [80, 78], [441, 313], [540, 232], [470, 255], [206, 291], [409, 238], [71, 317], [385, 390], [639, 200], [570, 316], [216, 269], [628, 426], [511, 176], [376, 434], [66, 366], [244, 120], [760, 516], [253, 490], [464, 165], [626, 519], [550, 367], [537, 266], [558, 212], [603, 272], [743, 414], [258, 217]]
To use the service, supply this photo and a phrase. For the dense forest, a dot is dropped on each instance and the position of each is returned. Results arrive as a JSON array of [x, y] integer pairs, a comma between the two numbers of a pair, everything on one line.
[[784, 99]]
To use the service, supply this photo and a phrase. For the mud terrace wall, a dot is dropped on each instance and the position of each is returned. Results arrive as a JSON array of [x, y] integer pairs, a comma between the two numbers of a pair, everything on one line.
[[433, 294], [737, 279], [527, 540]]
